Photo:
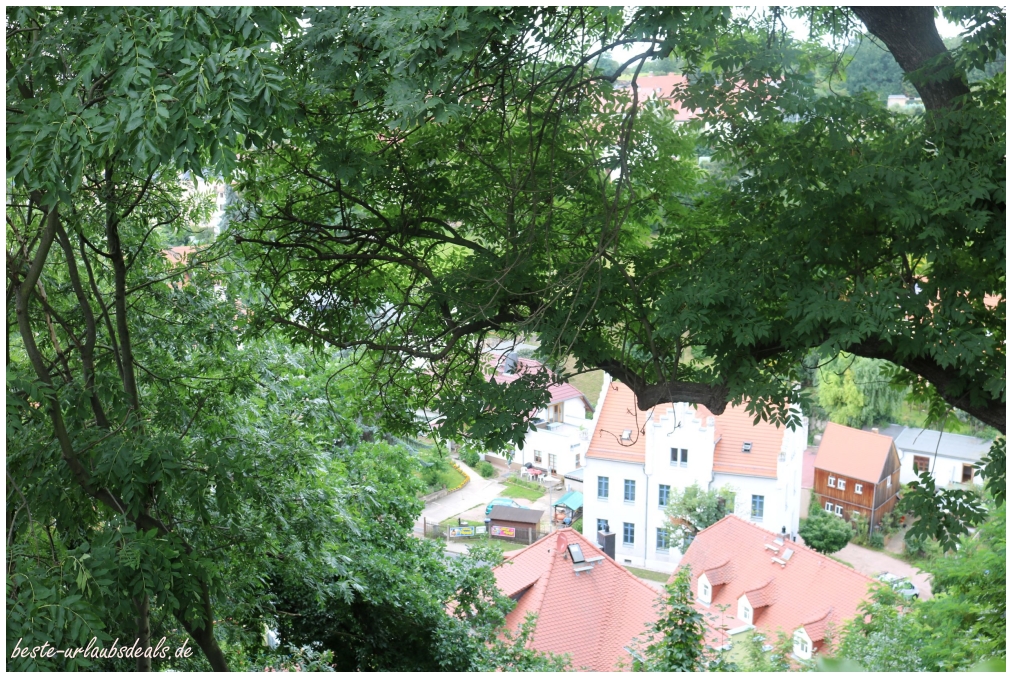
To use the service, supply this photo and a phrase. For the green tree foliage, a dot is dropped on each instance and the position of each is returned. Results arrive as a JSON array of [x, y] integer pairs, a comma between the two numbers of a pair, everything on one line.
[[961, 626], [775, 657], [825, 532], [860, 395], [695, 509], [871, 67], [676, 641]]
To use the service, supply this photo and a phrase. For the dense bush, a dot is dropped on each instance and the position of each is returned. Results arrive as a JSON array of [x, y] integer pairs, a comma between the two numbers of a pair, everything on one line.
[[485, 469], [470, 457], [825, 532], [877, 539]]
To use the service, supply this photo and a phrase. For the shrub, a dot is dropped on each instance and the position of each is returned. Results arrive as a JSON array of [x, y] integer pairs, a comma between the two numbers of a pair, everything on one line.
[[825, 532], [578, 525], [860, 525], [470, 457], [485, 469], [877, 539]]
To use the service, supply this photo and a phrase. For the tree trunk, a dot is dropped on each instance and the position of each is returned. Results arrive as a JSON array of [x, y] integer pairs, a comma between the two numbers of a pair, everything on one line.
[[143, 630], [912, 38]]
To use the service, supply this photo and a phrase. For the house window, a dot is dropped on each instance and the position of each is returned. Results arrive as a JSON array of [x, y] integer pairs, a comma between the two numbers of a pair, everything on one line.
[[630, 490], [758, 501], [679, 457], [602, 487], [628, 534], [551, 463], [555, 413], [706, 591], [967, 473], [857, 488], [577, 461], [829, 506], [841, 484], [889, 481], [839, 510], [663, 491], [602, 525], [832, 481], [921, 464], [662, 539], [537, 456]]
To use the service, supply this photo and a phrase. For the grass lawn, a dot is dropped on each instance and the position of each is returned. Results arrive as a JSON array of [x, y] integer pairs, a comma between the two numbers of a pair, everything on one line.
[[449, 476], [589, 384], [515, 491], [647, 574], [452, 522]]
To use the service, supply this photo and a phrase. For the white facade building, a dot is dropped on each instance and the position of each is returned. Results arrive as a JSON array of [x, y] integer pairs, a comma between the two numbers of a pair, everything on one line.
[[954, 462], [559, 444], [636, 459]]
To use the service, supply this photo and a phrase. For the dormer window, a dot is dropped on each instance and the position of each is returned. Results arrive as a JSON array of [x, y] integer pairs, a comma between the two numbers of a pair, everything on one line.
[[705, 590], [746, 447], [802, 644], [832, 481]]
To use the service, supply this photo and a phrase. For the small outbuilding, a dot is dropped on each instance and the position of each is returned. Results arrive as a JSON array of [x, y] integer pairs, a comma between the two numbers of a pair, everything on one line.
[[517, 524]]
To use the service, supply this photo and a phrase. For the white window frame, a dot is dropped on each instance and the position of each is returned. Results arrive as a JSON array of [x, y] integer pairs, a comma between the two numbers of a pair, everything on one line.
[[839, 510], [832, 481], [631, 531], [625, 491], [857, 488], [829, 506], [841, 484], [889, 481]]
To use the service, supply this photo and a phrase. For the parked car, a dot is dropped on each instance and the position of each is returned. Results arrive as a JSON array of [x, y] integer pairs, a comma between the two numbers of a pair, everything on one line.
[[900, 585], [501, 501]]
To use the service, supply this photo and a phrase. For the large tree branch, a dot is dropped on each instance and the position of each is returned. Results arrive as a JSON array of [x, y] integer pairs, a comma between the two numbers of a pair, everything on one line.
[[912, 38], [991, 413]]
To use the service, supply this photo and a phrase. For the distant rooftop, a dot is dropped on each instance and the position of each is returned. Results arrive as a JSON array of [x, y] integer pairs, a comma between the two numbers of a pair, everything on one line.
[[953, 445]]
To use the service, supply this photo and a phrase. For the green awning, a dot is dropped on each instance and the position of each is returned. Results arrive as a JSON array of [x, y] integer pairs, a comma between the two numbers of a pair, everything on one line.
[[571, 500]]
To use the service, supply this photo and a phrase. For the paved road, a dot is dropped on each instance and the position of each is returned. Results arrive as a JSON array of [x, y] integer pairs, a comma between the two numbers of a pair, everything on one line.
[[479, 491], [873, 563]]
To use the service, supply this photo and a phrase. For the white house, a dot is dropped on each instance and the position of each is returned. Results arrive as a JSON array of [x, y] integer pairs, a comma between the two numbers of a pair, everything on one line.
[[637, 459], [954, 463], [559, 444]]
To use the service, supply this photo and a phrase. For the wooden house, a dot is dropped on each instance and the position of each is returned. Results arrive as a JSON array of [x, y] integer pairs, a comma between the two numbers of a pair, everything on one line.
[[857, 472]]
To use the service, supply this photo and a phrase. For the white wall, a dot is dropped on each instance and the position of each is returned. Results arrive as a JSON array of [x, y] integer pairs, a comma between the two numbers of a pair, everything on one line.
[[946, 469]]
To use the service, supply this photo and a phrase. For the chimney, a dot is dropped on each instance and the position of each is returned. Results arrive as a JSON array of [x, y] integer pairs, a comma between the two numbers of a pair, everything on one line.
[[561, 543], [606, 540]]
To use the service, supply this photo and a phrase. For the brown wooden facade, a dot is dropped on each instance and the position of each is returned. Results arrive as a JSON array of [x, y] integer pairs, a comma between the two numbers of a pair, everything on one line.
[[875, 499]]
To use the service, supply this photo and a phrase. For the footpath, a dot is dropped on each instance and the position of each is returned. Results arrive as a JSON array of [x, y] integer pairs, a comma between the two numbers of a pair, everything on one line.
[[478, 491]]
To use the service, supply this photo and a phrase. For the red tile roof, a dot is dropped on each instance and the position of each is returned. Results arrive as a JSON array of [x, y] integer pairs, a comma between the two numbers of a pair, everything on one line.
[[853, 453], [736, 427], [619, 413], [662, 86], [811, 589], [179, 254], [557, 392], [592, 616]]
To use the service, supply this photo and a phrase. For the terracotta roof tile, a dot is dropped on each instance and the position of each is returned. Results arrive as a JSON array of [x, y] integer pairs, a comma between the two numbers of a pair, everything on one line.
[[853, 453], [736, 427], [557, 393], [619, 413], [816, 626], [592, 615], [810, 589], [720, 574]]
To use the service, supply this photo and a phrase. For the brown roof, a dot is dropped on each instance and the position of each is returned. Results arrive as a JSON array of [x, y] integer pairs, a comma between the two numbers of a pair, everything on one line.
[[619, 413], [592, 615], [797, 594], [853, 453], [515, 515], [736, 427]]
